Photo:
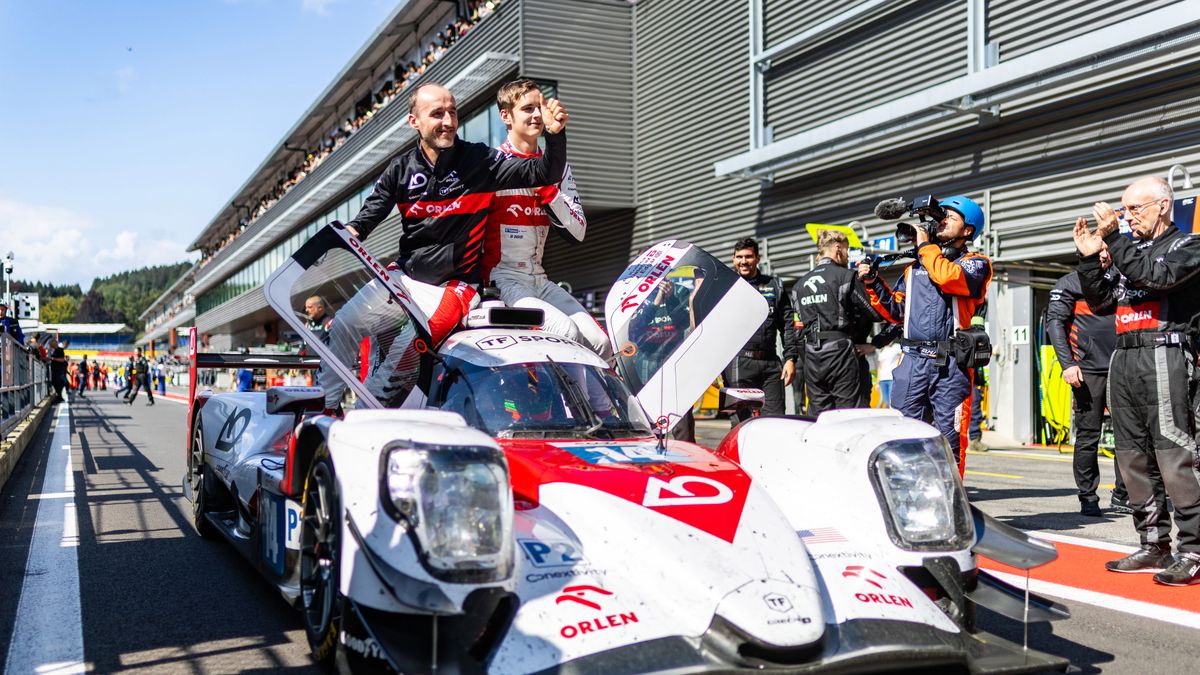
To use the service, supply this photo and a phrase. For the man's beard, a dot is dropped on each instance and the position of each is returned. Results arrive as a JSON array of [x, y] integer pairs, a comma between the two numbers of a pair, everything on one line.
[[438, 142]]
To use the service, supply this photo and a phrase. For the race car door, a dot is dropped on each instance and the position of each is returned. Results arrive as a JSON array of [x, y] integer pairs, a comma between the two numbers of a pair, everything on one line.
[[676, 317], [373, 332]]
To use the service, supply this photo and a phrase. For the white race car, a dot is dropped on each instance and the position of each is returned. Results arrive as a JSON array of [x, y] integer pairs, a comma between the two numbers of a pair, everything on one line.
[[508, 503]]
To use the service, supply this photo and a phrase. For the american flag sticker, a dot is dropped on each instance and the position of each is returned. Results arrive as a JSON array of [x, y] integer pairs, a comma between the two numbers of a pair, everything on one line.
[[820, 535]]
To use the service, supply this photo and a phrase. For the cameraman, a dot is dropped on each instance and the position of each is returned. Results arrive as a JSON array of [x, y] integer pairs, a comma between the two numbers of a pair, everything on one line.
[[938, 294], [832, 303]]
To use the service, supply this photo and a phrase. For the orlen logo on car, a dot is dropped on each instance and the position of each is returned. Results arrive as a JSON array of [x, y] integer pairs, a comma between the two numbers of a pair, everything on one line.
[[876, 579], [596, 599], [628, 302], [380, 269]]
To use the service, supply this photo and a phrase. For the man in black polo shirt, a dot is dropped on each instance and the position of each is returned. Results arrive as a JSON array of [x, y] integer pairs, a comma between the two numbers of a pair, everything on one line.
[[758, 363]]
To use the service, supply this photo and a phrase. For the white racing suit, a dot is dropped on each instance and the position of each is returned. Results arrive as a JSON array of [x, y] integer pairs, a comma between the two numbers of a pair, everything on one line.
[[518, 223], [372, 321]]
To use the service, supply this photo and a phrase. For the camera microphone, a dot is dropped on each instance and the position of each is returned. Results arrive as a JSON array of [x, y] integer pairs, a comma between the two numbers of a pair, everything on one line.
[[891, 209]]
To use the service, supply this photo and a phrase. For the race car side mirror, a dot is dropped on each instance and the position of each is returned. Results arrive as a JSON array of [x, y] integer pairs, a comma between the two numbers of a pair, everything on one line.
[[733, 399], [295, 400]]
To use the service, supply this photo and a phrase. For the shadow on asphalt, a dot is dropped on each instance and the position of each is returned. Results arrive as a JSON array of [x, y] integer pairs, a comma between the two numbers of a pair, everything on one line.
[[978, 494], [166, 600], [1043, 639]]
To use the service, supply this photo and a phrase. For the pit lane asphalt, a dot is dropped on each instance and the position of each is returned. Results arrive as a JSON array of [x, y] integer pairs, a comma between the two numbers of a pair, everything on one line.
[[154, 597], [157, 598]]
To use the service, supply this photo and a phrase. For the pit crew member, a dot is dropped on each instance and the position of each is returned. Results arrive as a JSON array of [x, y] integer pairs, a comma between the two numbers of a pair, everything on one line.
[[1155, 298], [1083, 343], [937, 294], [831, 303], [757, 365], [520, 220]]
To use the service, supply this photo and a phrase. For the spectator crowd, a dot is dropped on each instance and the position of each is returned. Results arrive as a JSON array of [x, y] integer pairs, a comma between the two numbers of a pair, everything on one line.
[[404, 74]]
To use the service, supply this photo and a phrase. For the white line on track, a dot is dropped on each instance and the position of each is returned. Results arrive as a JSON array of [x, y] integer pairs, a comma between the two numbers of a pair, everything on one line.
[[1114, 602], [1080, 541], [48, 631]]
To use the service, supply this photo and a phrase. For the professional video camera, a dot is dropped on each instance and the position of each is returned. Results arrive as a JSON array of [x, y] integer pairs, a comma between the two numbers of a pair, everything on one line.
[[926, 208]]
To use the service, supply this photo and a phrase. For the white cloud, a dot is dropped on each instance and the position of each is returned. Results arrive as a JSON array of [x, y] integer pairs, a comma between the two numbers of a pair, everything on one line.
[[124, 77], [57, 245], [316, 6]]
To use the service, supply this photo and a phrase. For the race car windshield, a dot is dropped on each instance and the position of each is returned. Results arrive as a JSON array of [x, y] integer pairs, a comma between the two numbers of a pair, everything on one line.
[[543, 400], [666, 315]]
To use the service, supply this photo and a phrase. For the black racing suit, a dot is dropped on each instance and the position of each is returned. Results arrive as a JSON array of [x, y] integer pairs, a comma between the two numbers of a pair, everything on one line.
[[141, 379], [444, 208], [1084, 340], [1155, 294], [833, 306], [758, 364]]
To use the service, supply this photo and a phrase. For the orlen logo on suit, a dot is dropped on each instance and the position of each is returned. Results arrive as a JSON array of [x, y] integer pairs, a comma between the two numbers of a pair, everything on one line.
[[663, 265]]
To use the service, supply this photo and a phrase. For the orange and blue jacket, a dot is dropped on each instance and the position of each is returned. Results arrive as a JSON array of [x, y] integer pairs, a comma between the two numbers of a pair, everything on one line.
[[936, 295]]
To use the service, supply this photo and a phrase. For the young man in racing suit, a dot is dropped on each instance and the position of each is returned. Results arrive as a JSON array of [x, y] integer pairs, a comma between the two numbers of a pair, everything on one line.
[[443, 188], [1083, 342], [831, 304], [1156, 296], [938, 294], [520, 220]]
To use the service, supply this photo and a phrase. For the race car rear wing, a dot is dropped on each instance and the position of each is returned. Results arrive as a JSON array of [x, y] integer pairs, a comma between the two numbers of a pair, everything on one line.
[[198, 360]]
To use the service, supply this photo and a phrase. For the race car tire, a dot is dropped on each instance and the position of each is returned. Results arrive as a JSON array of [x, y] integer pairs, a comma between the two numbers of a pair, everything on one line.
[[201, 495], [320, 564]]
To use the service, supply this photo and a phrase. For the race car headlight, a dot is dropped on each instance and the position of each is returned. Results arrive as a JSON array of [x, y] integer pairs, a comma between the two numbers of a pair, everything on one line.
[[458, 503], [917, 482]]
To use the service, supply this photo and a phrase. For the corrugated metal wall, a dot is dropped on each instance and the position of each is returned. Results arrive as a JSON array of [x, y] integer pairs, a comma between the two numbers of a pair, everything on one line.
[[916, 47], [1023, 26], [1042, 163], [587, 47], [691, 91]]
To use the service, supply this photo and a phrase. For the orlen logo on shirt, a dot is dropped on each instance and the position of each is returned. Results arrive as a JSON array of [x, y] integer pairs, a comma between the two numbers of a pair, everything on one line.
[[433, 209], [1144, 318], [516, 210]]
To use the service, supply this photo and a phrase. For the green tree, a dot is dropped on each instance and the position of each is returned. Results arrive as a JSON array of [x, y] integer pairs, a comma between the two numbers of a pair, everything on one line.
[[61, 309]]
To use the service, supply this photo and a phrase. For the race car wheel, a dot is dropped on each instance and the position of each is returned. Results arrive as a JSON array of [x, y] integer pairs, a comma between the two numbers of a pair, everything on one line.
[[197, 473], [320, 590]]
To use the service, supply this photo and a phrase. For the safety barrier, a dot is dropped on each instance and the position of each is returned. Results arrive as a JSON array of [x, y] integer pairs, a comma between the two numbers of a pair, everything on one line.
[[24, 382]]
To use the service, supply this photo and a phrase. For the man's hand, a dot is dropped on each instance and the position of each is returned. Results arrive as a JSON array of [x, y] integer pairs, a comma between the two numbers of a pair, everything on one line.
[[922, 234], [864, 270], [554, 115], [353, 232], [1106, 219], [1073, 376], [1088, 242], [789, 373], [863, 350]]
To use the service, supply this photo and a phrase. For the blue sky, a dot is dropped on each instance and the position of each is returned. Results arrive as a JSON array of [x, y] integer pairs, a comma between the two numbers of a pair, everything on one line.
[[127, 125]]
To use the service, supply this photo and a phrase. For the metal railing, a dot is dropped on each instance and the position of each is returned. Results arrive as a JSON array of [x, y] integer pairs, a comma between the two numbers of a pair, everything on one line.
[[24, 381]]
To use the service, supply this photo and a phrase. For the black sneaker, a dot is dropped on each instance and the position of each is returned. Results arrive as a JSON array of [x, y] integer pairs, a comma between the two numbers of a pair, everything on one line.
[[1091, 509], [1120, 506], [1185, 571], [1147, 559]]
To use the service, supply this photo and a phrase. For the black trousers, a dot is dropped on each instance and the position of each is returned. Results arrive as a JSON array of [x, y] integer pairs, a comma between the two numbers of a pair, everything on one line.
[[833, 373], [1090, 400], [758, 374], [799, 388], [139, 383], [1150, 394]]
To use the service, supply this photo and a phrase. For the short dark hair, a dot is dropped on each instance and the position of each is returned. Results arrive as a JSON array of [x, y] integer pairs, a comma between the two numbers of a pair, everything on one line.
[[412, 95], [746, 242]]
